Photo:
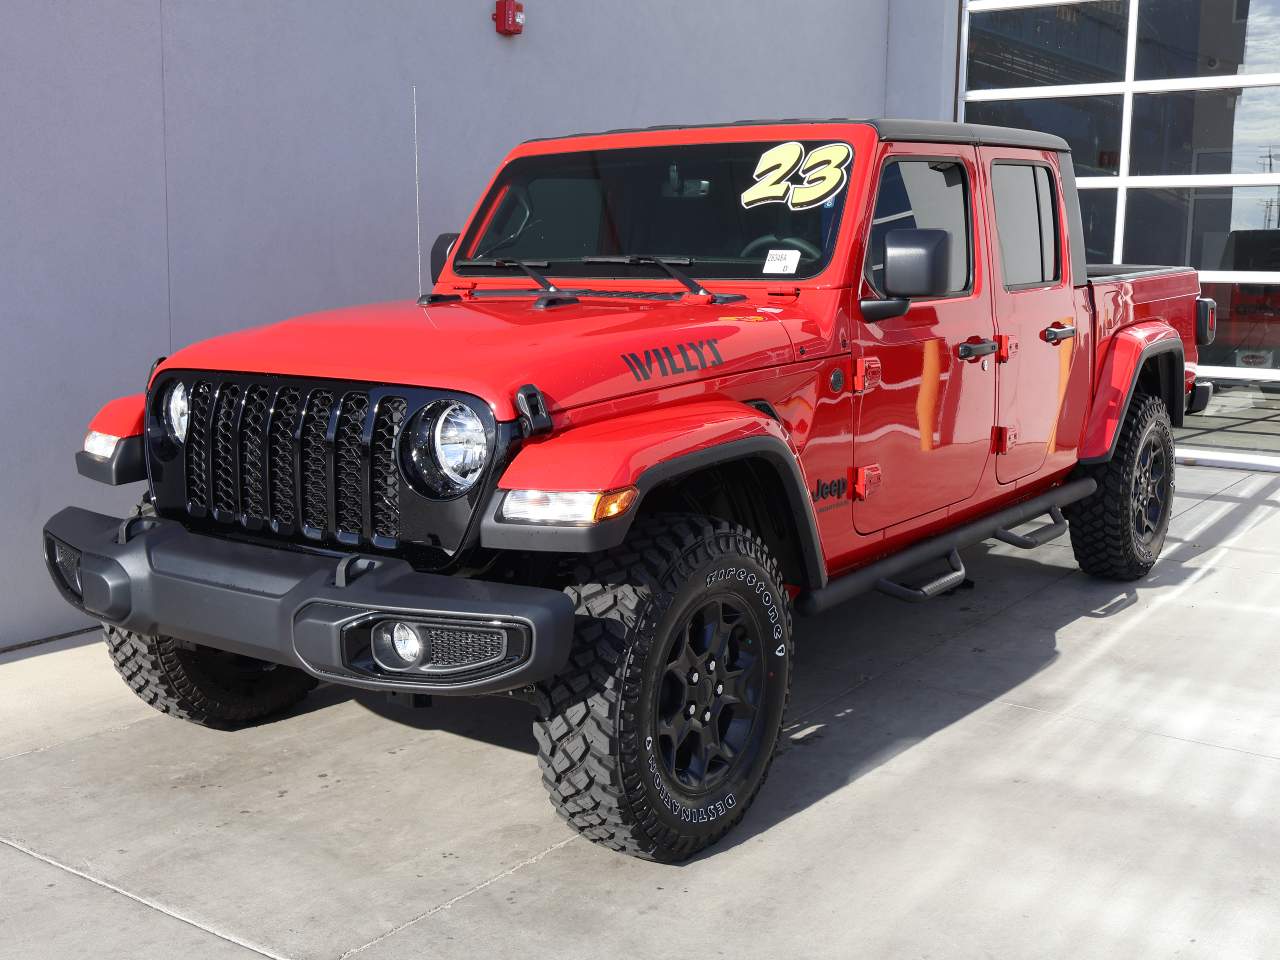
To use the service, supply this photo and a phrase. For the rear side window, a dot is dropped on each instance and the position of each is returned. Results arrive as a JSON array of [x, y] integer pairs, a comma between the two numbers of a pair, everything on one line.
[[1027, 223], [922, 195]]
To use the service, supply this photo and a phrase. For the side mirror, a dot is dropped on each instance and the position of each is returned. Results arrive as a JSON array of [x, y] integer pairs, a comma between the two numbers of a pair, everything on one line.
[[440, 253], [917, 263]]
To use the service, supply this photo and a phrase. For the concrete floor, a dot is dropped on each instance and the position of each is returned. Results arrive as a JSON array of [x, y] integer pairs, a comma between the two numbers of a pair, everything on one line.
[[1040, 766]]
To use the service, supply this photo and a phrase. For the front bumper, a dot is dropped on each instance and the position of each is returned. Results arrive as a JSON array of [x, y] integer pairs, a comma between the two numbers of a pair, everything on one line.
[[298, 609]]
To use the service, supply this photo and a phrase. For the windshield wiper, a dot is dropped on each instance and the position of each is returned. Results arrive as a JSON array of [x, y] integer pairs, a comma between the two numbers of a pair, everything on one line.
[[549, 294], [667, 265]]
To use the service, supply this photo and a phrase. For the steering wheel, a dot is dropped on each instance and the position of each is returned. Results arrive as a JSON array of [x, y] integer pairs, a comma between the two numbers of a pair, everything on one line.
[[770, 239]]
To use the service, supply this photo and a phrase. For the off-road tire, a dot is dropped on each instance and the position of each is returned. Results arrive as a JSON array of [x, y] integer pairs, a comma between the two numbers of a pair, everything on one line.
[[200, 684], [205, 686], [1104, 534], [597, 750]]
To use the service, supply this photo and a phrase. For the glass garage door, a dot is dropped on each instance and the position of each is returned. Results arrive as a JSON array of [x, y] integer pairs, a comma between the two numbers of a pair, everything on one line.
[[1172, 110]]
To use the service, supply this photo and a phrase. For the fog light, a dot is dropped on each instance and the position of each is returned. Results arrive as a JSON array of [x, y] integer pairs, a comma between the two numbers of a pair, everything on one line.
[[396, 645]]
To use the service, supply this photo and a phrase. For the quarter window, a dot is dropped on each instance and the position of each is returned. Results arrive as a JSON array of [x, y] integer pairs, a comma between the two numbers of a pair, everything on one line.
[[922, 195], [1027, 224]]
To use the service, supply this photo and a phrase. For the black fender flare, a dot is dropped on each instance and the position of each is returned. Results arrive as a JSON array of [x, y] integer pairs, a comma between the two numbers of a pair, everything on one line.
[[1172, 389], [606, 534]]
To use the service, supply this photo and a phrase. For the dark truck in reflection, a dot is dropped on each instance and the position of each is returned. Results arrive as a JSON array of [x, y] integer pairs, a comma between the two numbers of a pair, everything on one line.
[[1249, 313]]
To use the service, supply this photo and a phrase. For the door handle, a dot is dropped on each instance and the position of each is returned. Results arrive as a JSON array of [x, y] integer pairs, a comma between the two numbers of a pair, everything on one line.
[[1056, 335], [972, 351]]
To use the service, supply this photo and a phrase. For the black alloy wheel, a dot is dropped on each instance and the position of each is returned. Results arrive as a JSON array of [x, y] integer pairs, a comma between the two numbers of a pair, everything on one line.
[[1152, 490], [709, 695]]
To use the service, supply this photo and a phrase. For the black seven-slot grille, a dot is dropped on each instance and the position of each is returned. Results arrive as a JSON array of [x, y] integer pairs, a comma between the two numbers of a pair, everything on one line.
[[292, 458]]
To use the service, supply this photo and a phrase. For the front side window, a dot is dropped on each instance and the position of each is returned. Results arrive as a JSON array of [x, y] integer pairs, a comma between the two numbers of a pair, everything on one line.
[[922, 195], [732, 210], [1027, 224]]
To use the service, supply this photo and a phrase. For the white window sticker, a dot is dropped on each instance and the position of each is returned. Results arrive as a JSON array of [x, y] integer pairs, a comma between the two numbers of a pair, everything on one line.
[[781, 261]]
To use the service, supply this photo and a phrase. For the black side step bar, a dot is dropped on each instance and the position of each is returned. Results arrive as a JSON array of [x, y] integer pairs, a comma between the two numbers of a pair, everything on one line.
[[948, 581], [870, 577], [1038, 537]]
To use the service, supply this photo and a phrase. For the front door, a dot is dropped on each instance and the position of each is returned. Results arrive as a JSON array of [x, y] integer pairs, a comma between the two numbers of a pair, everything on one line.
[[924, 415], [1035, 304]]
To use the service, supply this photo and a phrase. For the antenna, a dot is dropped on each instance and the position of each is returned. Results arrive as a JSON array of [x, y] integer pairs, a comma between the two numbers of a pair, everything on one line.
[[417, 187]]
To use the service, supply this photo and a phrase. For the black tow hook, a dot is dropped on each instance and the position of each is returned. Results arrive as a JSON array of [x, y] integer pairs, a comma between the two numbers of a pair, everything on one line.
[[351, 568]]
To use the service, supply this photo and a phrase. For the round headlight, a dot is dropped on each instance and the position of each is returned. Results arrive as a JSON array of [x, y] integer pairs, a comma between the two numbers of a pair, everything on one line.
[[446, 448], [460, 444], [175, 412]]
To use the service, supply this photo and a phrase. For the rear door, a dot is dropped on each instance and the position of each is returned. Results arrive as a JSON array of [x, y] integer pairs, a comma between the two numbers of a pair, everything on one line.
[[1035, 307], [924, 417]]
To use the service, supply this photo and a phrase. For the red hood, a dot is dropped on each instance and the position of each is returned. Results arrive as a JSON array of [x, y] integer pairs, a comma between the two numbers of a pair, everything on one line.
[[576, 354]]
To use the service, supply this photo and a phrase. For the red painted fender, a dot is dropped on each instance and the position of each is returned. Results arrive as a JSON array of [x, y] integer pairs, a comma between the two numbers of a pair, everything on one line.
[[644, 450], [614, 453], [1131, 348], [122, 417]]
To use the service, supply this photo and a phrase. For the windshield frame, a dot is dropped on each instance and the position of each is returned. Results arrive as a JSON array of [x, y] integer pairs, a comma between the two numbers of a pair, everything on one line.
[[570, 269]]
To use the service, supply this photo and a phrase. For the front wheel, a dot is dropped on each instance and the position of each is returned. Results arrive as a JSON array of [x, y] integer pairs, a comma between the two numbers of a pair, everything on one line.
[[200, 684], [660, 733], [1118, 531]]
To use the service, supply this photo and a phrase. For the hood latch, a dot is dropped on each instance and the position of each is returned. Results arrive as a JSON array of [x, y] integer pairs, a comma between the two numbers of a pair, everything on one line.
[[532, 406]]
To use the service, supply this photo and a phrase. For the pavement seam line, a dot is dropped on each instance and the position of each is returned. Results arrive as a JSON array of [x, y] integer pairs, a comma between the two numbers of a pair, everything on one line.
[[462, 896], [39, 641], [1206, 497], [63, 743], [145, 901]]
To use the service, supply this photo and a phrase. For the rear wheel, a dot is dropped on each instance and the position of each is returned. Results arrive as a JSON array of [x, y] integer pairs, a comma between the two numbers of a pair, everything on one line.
[[660, 732], [203, 685], [1118, 531]]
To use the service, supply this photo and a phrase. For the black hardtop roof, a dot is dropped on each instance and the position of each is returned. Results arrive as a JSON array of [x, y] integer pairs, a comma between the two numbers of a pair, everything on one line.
[[918, 131]]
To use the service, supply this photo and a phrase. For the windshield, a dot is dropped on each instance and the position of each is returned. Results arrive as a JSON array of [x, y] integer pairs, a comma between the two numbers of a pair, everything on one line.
[[729, 210]]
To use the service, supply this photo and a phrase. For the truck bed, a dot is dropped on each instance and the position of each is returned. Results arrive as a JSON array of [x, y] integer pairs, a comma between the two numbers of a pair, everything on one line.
[[1128, 271]]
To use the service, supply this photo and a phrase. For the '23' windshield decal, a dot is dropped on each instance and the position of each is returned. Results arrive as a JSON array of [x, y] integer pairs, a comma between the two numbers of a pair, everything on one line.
[[824, 172]]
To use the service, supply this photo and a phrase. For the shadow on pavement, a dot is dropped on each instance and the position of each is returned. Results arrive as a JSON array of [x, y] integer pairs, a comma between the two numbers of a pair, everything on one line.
[[846, 663]]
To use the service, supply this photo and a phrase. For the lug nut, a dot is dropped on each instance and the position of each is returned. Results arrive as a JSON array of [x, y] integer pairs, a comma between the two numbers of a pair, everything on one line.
[[711, 665], [693, 677], [692, 709], [706, 717], [719, 689]]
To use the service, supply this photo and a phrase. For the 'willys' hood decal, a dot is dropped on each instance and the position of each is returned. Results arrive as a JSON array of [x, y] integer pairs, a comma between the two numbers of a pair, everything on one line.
[[576, 354]]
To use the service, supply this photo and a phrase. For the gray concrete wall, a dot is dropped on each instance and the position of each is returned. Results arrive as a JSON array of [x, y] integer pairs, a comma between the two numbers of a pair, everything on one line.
[[173, 169]]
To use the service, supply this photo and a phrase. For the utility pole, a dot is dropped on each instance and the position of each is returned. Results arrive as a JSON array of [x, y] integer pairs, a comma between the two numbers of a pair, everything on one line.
[[1271, 207]]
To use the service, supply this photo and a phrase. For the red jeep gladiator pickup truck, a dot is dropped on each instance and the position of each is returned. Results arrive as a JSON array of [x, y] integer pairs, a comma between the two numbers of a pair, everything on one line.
[[668, 385]]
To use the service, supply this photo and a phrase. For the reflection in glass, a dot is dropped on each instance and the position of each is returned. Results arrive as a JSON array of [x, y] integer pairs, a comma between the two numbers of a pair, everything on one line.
[[1248, 326], [1207, 131], [1098, 211], [1235, 228], [1026, 223], [922, 195], [1207, 38], [1090, 124], [1038, 46]]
